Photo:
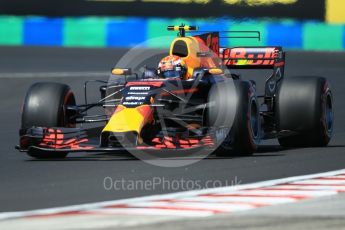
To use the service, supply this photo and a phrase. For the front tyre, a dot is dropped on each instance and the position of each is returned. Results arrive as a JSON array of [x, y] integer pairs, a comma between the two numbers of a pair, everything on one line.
[[247, 126], [45, 106]]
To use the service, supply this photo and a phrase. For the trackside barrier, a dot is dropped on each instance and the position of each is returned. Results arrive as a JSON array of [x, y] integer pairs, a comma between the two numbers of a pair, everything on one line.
[[129, 31]]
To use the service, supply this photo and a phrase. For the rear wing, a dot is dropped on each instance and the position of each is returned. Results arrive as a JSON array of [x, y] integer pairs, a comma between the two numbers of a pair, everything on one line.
[[253, 57], [257, 58]]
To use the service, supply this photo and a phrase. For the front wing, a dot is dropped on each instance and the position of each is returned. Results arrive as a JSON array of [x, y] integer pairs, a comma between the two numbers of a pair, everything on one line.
[[57, 139]]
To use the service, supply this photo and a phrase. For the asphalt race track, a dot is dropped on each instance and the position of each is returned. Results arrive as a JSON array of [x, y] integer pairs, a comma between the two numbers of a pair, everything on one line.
[[30, 184]]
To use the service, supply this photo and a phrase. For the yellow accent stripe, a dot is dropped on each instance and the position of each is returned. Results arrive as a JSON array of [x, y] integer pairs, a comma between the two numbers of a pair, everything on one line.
[[335, 11]]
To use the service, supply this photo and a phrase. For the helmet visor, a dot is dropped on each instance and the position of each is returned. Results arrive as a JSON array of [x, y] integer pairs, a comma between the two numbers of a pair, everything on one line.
[[171, 74]]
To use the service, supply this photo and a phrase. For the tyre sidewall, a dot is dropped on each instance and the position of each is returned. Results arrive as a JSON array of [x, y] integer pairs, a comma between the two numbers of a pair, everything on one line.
[[301, 109], [44, 106]]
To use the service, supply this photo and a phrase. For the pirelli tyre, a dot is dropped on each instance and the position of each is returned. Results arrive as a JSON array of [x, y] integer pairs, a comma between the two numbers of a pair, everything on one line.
[[45, 106], [305, 111], [245, 130]]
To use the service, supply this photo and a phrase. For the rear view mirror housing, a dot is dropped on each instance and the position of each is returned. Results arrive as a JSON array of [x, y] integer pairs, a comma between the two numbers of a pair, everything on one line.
[[122, 72]]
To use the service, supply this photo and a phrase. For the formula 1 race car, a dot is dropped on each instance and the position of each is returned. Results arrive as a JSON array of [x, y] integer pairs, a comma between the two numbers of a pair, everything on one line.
[[210, 108]]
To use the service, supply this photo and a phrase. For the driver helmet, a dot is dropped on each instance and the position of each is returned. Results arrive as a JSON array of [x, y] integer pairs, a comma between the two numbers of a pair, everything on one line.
[[172, 66]]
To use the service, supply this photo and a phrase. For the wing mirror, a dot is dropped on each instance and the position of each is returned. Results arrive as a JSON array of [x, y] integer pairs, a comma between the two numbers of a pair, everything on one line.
[[122, 72]]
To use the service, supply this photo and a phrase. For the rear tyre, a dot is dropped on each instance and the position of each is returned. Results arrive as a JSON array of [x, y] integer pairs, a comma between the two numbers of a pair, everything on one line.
[[245, 134], [305, 107], [45, 106]]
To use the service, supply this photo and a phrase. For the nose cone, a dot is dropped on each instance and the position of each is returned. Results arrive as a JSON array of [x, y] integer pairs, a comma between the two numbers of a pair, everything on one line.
[[129, 119], [126, 139]]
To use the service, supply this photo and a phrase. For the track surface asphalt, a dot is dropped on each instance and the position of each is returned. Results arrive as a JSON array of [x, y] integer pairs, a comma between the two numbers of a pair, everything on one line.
[[31, 184]]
